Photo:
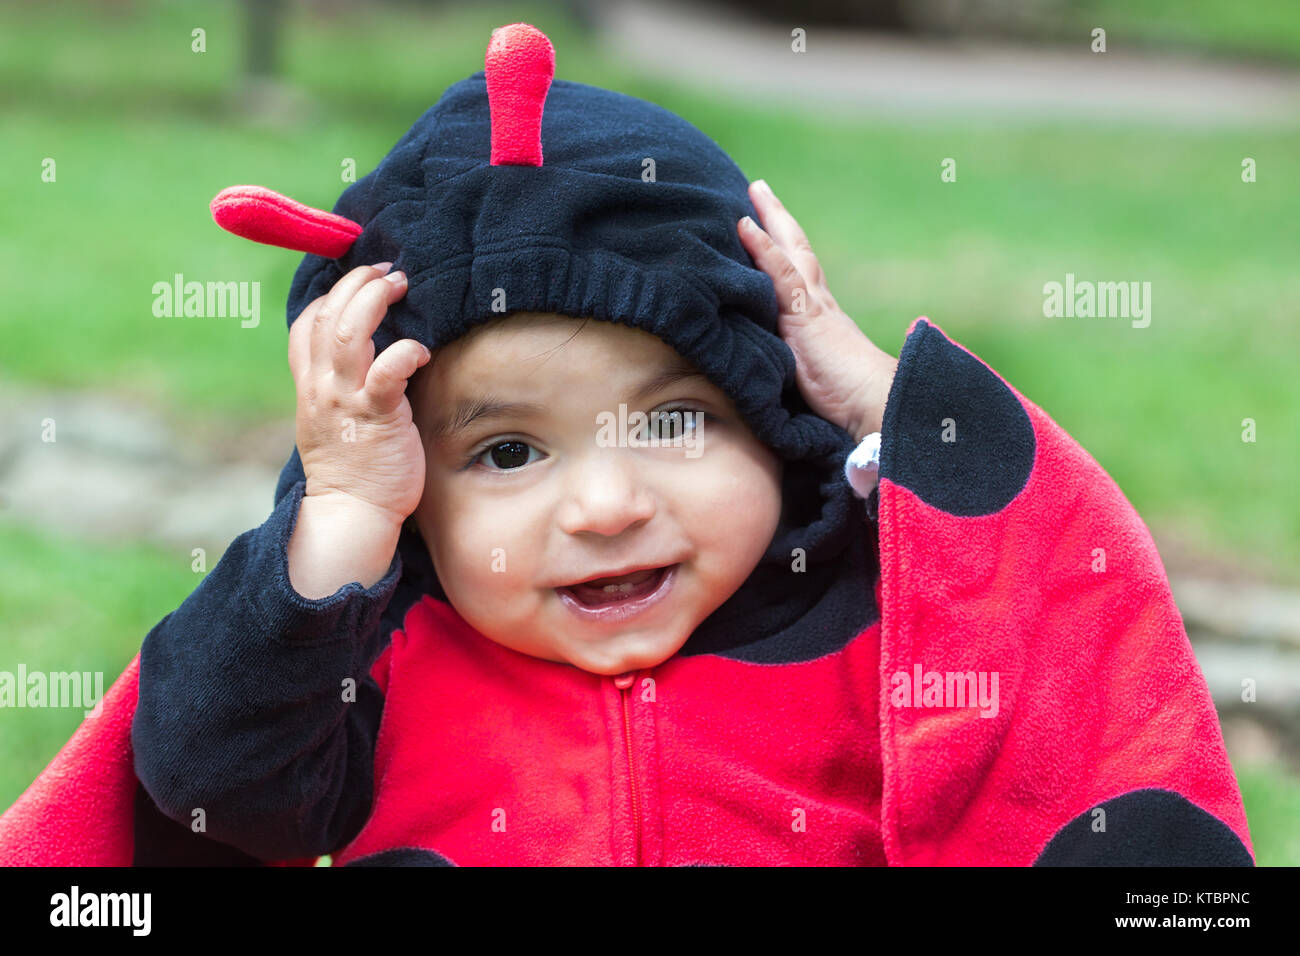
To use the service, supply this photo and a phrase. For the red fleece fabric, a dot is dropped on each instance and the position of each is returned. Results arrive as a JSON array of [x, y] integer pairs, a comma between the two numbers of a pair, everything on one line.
[[489, 756], [518, 67], [263, 215]]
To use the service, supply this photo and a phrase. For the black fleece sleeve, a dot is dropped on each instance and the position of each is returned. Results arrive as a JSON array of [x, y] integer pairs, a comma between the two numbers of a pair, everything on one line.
[[242, 708]]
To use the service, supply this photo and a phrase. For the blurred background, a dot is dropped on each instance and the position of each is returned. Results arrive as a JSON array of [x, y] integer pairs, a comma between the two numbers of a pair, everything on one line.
[[945, 157]]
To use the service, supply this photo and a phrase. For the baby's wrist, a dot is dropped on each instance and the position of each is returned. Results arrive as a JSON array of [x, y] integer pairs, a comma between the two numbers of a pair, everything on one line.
[[349, 509], [869, 413], [336, 541]]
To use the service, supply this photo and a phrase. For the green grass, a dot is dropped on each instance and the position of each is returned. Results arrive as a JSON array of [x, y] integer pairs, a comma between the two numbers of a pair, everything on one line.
[[1272, 800], [144, 133], [1260, 28]]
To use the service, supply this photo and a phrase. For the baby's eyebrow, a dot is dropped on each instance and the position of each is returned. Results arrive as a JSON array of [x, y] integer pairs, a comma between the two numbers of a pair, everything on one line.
[[670, 374], [470, 410], [467, 411]]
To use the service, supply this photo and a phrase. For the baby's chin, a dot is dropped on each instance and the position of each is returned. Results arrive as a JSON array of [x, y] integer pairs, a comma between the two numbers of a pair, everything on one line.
[[604, 654], [614, 666], [547, 630], [620, 653]]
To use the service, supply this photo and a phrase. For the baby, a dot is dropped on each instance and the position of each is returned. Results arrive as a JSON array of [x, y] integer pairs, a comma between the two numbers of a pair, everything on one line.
[[498, 453], [579, 559]]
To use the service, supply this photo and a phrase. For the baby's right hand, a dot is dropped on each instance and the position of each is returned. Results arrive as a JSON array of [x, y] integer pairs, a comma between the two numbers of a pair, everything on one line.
[[355, 435]]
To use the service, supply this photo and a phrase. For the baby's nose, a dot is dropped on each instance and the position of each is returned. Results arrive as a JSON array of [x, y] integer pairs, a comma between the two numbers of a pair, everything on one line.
[[606, 495]]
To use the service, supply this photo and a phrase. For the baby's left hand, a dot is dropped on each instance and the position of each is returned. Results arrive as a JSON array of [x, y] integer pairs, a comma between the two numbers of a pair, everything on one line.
[[842, 374]]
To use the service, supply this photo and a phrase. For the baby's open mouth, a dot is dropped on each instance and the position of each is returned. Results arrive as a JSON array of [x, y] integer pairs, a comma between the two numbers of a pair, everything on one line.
[[612, 590]]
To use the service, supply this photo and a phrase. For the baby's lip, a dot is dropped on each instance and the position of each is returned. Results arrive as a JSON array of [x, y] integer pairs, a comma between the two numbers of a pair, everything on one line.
[[616, 574]]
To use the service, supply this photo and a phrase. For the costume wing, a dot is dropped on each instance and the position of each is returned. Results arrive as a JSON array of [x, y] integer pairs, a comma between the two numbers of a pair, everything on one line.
[[1014, 571]]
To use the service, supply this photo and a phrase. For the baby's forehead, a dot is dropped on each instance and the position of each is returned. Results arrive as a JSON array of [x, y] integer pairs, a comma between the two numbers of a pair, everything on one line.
[[533, 357], [538, 342]]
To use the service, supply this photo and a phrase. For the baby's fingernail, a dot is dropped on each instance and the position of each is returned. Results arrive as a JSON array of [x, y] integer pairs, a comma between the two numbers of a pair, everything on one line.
[[748, 224], [396, 277], [382, 267], [763, 187]]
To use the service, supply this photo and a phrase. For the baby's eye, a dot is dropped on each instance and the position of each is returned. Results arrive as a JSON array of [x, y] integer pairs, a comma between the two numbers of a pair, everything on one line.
[[506, 455], [671, 424]]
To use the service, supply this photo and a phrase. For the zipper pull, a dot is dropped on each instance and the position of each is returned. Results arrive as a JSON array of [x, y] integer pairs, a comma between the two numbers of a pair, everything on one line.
[[624, 681]]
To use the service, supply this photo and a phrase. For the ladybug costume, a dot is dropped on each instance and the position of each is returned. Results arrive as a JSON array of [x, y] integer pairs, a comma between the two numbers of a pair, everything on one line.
[[809, 720]]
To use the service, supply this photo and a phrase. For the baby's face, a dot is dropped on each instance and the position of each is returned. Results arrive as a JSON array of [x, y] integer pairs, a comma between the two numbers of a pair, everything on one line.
[[520, 503]]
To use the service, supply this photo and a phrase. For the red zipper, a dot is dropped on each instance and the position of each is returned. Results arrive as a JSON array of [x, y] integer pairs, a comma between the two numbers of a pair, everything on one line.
[[623, 682]]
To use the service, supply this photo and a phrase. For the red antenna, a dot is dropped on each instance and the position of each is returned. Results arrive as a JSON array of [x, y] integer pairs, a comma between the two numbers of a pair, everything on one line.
[[263, 215], [519, 65]]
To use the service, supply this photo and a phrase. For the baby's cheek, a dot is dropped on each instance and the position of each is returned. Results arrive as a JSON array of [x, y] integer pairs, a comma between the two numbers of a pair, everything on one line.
[[741, 514], [479, 562], [497, 558], [458, 559], [738, 491]]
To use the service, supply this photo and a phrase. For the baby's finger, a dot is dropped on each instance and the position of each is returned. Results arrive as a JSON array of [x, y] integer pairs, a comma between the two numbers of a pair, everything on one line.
[[336, 300], [351, 348], [785, 230], [386, 380], [791, 289], [299, 339]]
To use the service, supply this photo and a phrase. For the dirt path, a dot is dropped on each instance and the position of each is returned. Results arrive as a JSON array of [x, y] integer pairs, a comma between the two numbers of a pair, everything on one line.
[[865, 73], [118, 471]]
